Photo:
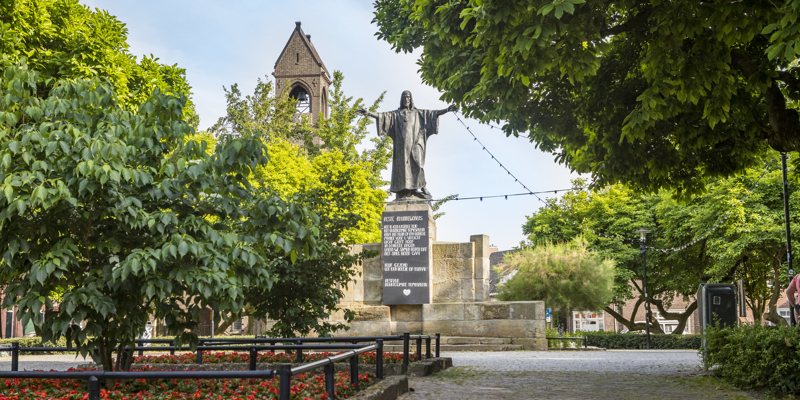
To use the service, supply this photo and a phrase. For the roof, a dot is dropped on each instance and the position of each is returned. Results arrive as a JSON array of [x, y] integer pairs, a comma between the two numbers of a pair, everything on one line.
[[305, 39]]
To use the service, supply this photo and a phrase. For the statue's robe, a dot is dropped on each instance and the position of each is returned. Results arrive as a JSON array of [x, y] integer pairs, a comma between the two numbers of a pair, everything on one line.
[[409, 130]]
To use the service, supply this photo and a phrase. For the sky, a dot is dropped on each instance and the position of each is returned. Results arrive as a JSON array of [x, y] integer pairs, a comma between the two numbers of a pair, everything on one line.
[[220, 43]]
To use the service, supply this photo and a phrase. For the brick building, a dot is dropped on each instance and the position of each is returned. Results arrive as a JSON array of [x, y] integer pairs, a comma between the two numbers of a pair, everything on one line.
[[300, 72]]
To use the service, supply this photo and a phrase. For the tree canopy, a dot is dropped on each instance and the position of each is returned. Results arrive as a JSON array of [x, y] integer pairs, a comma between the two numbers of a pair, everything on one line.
[[567, 276], [132, 219], [657, 94], [62, 39]]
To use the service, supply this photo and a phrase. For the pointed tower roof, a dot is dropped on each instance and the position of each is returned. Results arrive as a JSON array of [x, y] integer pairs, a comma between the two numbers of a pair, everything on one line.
[[306, 39]]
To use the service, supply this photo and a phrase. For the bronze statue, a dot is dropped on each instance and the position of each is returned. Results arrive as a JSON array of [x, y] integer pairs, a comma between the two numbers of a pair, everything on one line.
[[409, 129]]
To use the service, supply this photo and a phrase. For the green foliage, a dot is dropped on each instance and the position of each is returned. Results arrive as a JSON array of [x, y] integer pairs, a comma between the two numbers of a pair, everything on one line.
[[436, 205], [129, 216], [563, 344], [631, 341], [756, 357], [62, 39], [328, 153], [34, 342], [272, 117], [749, 244], [655, 94], [343, 131], [565, 275]]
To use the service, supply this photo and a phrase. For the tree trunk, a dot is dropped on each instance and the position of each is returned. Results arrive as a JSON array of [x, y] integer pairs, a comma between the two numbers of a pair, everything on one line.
[[772, 313]]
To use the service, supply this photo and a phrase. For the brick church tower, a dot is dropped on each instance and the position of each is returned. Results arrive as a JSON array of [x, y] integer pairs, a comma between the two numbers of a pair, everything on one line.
[[300, 72]]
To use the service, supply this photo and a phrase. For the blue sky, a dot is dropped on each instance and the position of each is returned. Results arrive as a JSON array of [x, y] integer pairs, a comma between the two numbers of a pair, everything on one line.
[[222, 43]]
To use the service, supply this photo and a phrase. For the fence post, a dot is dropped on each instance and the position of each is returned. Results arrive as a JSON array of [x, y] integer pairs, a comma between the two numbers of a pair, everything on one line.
[[419, 348], [253, 358], [405, 348], [285, 382], [199, 357], [438, 339], [94, 388], [299, 357], [15, 356], [585, 342], [123, 358], [428, 347], [141, 348], [354, 371], [172, 350], [379, 360], [330, 381]]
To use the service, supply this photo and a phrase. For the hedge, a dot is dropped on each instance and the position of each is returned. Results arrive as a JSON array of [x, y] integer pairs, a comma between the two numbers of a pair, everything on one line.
[[756, 357], [639, 341]]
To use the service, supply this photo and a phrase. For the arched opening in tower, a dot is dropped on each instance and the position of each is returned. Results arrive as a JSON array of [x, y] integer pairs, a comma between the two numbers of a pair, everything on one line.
[[303, 99]]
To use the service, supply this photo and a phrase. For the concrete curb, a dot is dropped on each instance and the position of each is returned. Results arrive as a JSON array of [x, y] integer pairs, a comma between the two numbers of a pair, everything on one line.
[[388, 389], [429, 366]]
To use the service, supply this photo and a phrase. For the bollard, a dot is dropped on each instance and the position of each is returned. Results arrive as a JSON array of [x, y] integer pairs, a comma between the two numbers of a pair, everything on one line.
[[15, 356], [379, 360], [285, 382], [419, 348], [354, 371], [329, 381], [299, 358], [94, 388], [438, 339], [253, 358], [428, 347], [199, 357], [405, 348]]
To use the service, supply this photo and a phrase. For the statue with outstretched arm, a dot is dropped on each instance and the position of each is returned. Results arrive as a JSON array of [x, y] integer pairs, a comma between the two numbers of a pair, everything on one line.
[[409, 129]]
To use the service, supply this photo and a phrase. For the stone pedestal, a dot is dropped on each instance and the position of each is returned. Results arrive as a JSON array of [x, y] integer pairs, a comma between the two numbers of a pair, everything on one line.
[[460, 306]]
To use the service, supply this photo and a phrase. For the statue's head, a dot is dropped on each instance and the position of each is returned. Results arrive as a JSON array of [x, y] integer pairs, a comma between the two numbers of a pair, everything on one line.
[[406, 102]]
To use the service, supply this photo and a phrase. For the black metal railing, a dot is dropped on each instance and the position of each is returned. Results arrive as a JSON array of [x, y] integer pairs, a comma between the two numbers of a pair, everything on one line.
[[255, 346]]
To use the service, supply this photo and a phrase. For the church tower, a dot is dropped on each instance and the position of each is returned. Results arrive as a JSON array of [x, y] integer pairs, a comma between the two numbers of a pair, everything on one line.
[[300, 72]]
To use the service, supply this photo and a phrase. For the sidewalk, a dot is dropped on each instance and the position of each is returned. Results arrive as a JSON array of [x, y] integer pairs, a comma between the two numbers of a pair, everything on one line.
[[612, 375]]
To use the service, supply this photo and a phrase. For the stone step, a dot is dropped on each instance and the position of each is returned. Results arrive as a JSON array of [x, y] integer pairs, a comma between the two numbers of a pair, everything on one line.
[[458, 347], [474, 340]]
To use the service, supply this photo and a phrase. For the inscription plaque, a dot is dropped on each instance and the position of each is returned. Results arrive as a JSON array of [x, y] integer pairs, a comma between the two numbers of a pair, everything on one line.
[[406, 257]]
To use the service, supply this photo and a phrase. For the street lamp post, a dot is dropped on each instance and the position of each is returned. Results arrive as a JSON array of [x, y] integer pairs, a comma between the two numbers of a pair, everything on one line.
[[788, 230], [643, 249]]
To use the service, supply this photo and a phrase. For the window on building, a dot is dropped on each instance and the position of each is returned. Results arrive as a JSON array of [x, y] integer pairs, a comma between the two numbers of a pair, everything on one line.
[[588, 321]]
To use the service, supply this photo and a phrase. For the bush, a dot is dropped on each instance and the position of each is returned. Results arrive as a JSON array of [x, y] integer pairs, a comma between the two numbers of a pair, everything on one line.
[[631, 341], [33, 342], [756, 357], [564, 344]]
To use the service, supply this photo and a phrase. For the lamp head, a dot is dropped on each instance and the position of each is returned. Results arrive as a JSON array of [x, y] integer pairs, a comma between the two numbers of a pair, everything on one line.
[[643, 233]]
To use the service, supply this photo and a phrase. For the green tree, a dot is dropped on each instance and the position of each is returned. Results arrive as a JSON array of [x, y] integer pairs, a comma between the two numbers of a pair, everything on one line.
[[567, 276], [748, 244], [343, 131], [125, 217], [62, 39], [655, 94]]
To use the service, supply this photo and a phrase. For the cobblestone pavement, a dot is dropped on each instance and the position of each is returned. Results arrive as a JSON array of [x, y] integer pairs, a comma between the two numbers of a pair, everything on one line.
[[638, 375], [44, 363]]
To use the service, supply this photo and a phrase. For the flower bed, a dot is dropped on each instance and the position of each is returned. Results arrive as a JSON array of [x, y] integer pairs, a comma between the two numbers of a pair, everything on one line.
[[269, 357], [304, 386]]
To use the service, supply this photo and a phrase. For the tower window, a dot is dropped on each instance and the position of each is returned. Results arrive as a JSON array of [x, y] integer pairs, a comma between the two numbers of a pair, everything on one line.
[[298, 57], [303, 99]]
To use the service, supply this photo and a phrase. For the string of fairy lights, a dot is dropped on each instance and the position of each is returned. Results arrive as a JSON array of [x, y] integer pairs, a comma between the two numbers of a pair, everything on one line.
[[529, 192]]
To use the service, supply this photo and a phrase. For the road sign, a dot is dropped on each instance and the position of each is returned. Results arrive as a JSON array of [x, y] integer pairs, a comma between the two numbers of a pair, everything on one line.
[[547, 316]]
